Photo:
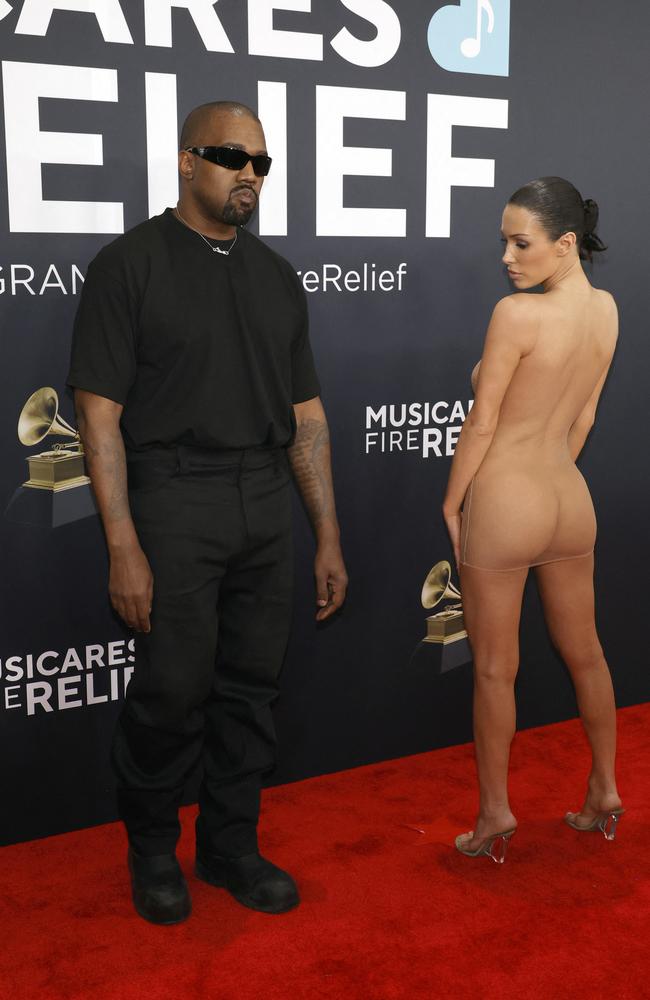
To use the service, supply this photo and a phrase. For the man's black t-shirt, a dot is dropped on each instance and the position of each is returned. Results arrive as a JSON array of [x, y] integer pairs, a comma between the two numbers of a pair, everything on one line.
[[200, 348]]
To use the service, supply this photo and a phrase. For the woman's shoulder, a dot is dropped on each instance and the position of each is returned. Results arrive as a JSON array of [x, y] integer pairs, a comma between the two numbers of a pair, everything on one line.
[[605, 315], [515, 321], [605, 300], [519, 309]]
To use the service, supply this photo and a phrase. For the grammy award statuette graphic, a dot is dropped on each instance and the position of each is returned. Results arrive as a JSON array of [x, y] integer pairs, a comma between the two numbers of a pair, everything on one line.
[[447, 625], [58, 489], [445, 644]]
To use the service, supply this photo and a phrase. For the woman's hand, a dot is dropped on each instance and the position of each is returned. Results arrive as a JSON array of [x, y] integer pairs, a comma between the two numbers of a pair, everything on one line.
[[453, 520]]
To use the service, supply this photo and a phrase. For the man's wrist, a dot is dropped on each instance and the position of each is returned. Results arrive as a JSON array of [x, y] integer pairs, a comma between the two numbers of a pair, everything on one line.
[[121, 537], [327, 533]]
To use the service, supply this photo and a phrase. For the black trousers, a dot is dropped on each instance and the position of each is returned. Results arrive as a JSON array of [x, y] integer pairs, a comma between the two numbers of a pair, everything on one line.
[[216, 528]]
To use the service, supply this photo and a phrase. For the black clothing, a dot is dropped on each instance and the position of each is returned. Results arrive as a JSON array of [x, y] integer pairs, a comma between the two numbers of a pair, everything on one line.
[[159, 889], [216, 528], [252, 880], [200, 348], [206, 353]]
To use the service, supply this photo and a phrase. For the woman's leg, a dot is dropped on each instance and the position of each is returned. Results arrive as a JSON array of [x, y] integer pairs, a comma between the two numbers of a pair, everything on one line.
[[492, 608], [567, 592]]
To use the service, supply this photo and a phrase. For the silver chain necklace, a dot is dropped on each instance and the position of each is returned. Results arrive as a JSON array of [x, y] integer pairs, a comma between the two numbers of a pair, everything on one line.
[[226, 253]]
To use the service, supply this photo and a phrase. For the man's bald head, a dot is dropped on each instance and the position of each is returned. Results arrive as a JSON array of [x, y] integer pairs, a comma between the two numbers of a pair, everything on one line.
[[198, 120]]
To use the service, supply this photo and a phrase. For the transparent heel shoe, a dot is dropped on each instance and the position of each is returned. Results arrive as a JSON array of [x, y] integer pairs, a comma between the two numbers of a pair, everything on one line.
[[494, 847], [606, 822]]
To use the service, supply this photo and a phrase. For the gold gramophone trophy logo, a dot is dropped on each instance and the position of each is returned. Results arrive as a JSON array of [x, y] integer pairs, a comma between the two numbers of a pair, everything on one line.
[[61, 468], [58, 489], [447, 625]]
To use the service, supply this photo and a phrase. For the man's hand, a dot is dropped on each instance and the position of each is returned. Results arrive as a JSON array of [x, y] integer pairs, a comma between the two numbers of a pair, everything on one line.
[[310, 460], [331, 579], [130, 587], [130, 584]]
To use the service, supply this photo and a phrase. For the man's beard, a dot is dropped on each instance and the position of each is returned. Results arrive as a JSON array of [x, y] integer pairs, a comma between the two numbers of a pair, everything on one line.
[[236, 215]]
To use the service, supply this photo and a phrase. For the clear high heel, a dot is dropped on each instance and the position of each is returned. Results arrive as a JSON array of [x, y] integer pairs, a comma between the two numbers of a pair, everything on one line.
[[494, 846], [606, 822]]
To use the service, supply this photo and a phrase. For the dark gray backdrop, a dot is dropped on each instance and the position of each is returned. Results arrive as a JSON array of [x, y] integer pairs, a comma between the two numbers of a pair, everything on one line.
[[350, 692]]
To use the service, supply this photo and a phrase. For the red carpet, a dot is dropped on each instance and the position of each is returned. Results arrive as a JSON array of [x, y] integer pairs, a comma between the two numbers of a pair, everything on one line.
[[387, 913]]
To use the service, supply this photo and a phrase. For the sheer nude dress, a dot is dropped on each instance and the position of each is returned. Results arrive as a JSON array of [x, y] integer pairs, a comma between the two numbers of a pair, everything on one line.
[[528, 504]]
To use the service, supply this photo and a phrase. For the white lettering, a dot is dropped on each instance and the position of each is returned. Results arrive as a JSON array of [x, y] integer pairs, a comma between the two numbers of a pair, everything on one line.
[[76, 275], [13, 670], [457, 412], [158, 23], [371, 440], [68, 687], [445, 171], [91, 697], [393, 419], [434, 412], [72, 659], [380, 49], [48, 655], [94, 656], [12, 694], [116, 653], [36, 15], [431, 438], [15, 280], [332, 279], [452, 435], [162, 140], [55, 283], [265, 40], [310, 281], [386, 281], [38, 694], [272, 110], [28, 148], [334, 161], [415, 414], [376, 416]]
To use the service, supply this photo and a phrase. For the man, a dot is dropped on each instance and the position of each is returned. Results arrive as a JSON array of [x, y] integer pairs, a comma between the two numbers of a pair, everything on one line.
[[195, 392]]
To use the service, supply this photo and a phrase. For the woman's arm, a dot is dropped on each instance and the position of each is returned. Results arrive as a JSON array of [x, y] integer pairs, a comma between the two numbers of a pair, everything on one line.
[[580, 429], [511, 335]]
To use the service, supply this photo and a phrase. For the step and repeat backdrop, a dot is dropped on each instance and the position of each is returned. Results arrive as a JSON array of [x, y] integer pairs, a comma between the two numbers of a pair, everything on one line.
[[398, 130]]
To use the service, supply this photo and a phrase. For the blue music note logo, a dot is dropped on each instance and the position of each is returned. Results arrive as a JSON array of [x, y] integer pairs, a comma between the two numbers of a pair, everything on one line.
[[472, 38]]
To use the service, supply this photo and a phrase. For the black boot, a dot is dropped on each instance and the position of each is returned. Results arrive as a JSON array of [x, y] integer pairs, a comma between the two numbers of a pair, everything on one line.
[[252, 880], [159, 889]]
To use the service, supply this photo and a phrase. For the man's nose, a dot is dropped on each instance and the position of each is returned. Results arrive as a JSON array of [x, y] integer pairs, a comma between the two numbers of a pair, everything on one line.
[[247, 175]]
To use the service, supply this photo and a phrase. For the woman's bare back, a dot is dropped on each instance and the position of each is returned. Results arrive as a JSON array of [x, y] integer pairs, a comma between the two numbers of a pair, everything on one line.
[[528, 503]]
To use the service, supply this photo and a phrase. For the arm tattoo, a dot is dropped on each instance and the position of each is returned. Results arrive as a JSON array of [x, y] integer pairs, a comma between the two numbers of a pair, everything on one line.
[[106, 464], [310, 461]]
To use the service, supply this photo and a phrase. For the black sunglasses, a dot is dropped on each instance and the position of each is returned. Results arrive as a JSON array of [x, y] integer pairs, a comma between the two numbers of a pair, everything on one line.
[[232, 159]]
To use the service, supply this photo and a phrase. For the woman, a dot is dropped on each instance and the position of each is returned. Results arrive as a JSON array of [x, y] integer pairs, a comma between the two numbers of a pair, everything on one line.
[[524, 502]]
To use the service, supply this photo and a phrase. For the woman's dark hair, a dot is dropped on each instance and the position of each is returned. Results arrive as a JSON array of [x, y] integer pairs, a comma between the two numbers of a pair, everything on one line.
[[560, 209]]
